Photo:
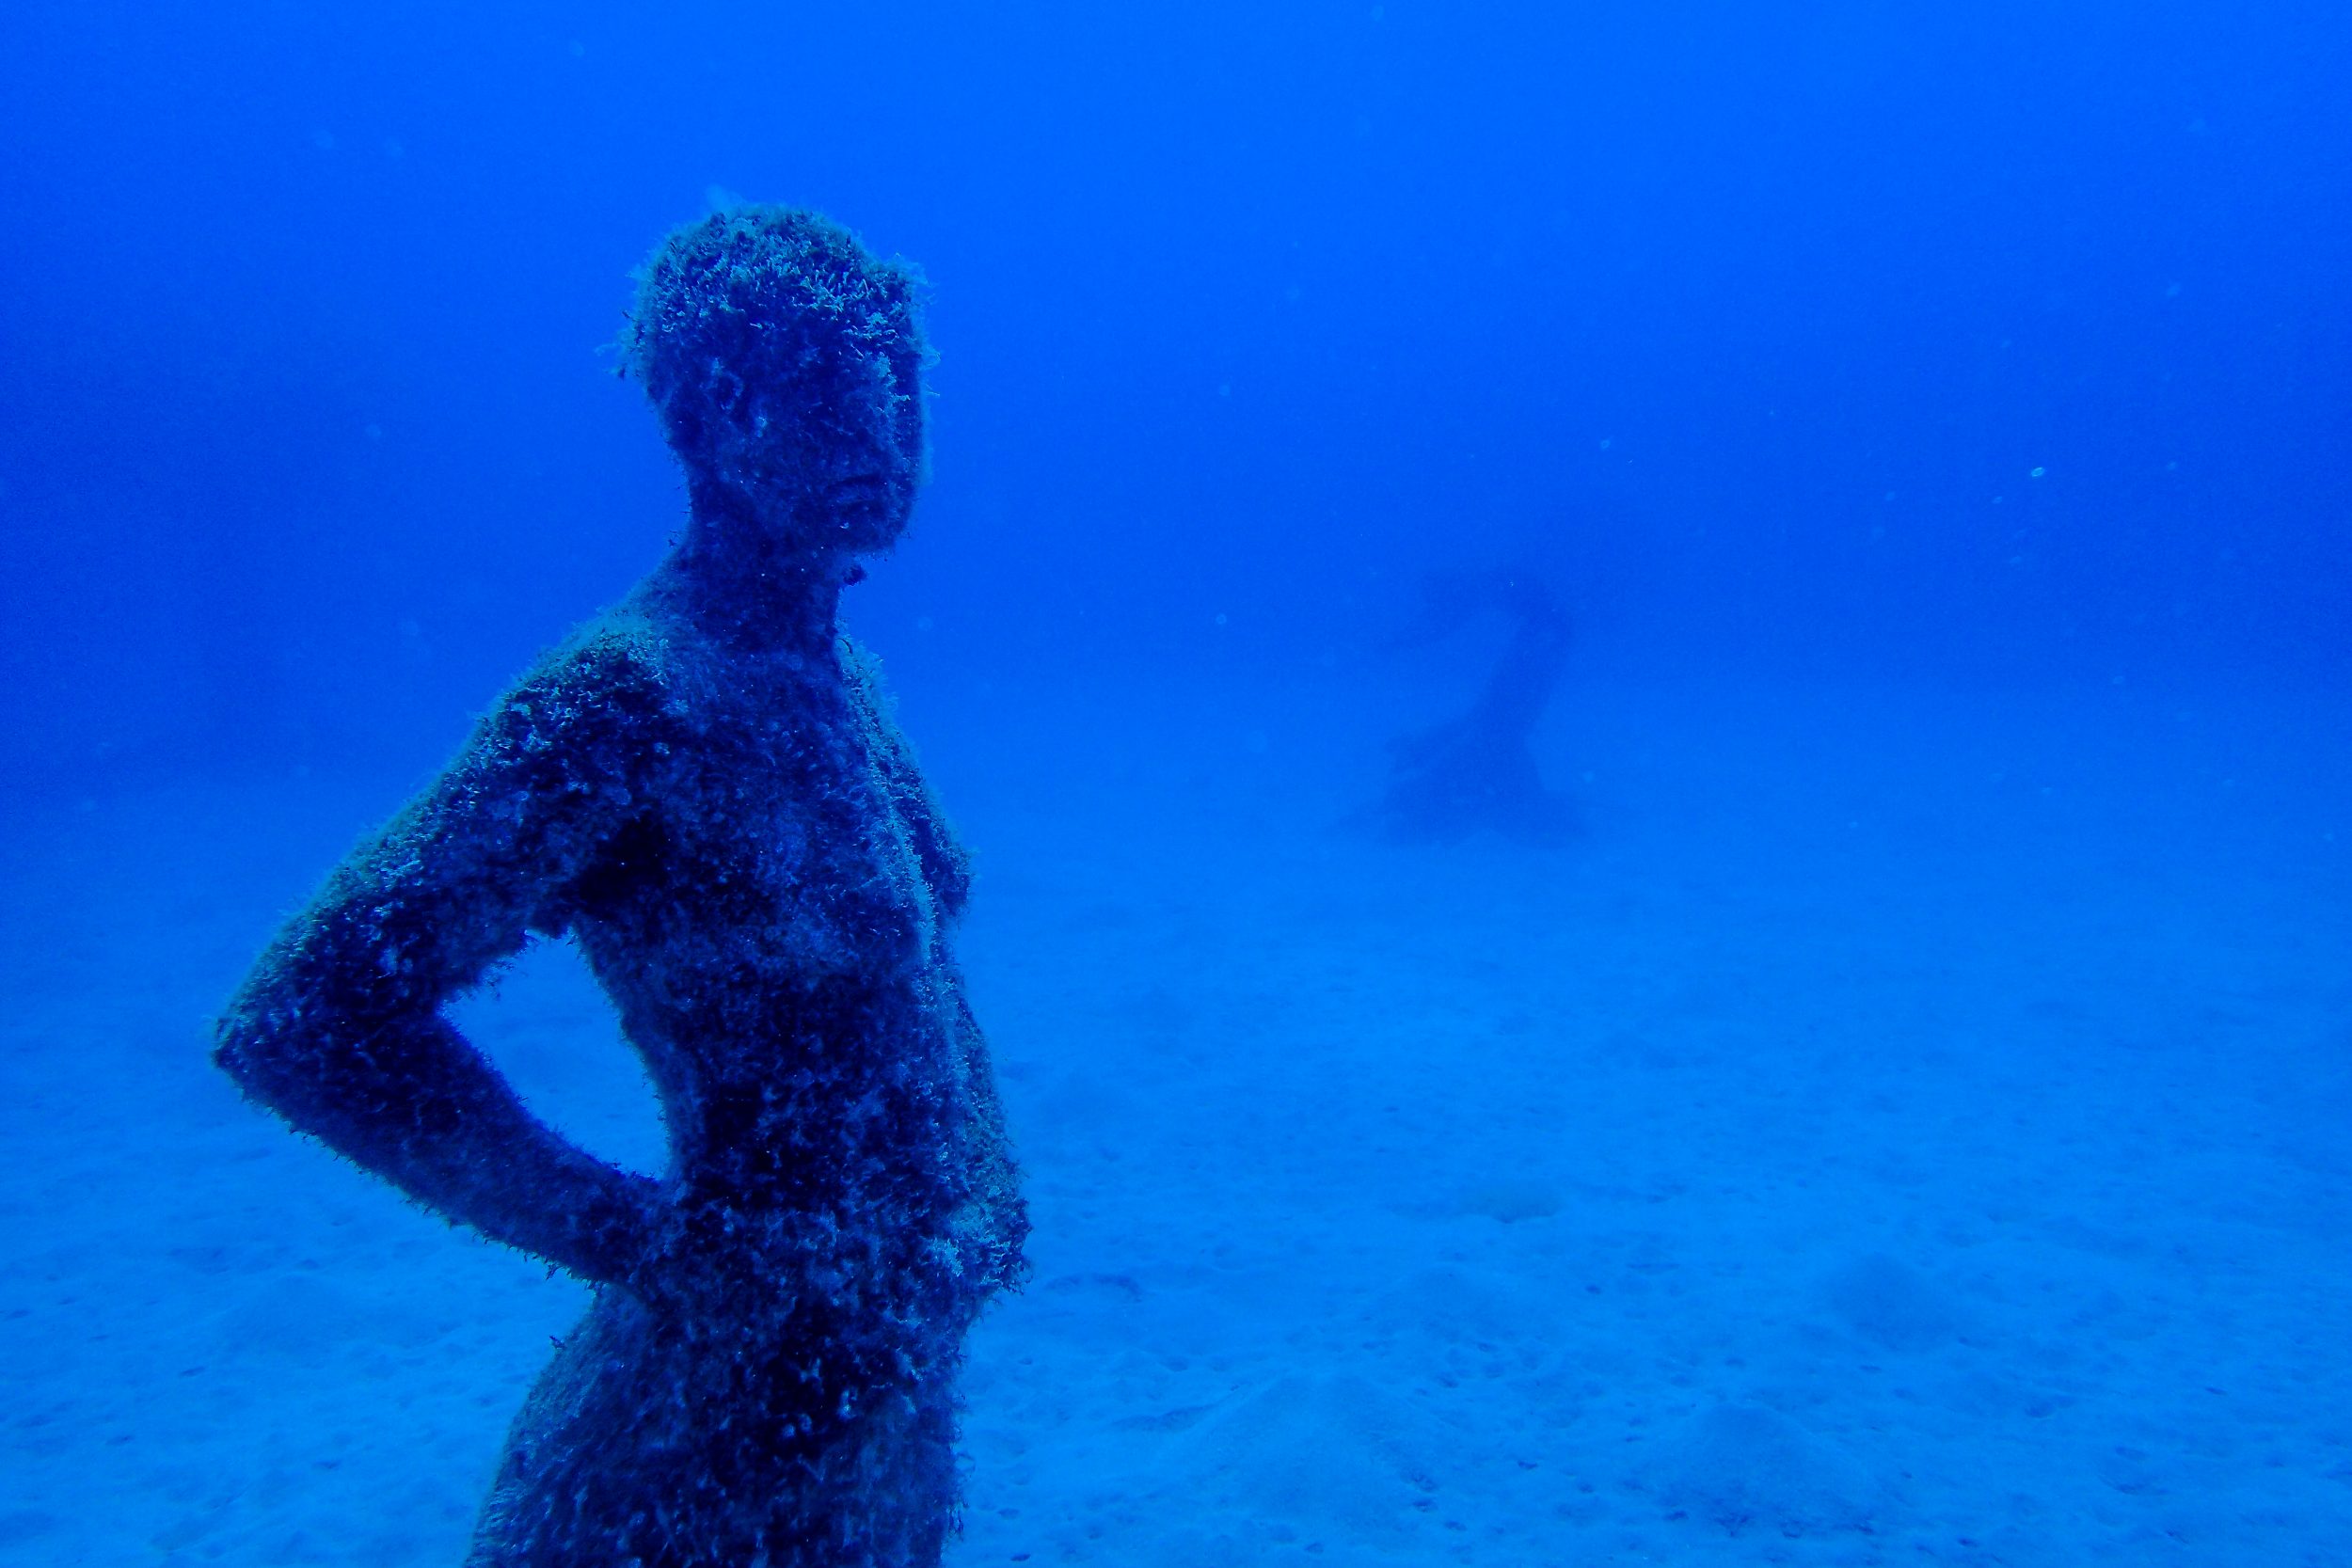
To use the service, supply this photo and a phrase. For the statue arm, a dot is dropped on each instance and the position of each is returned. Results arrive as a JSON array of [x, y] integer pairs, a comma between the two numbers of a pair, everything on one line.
[[339, 1028]]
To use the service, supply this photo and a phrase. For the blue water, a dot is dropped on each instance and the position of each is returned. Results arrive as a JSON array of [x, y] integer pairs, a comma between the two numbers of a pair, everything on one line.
[[1905, 1120]]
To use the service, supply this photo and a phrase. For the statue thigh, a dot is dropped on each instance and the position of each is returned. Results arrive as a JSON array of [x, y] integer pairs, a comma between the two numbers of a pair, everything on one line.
[[631, 1452]]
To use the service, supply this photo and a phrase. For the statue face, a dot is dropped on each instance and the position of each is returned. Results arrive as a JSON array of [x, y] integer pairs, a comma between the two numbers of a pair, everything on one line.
[[828, 459], [787, 364]]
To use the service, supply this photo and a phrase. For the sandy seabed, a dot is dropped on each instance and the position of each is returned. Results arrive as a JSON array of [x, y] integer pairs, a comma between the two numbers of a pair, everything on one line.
[[1900, 1129]]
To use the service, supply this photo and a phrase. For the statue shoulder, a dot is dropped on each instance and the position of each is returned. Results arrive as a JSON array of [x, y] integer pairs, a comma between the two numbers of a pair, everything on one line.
[[597, 715], [622, 653], [611, 676]]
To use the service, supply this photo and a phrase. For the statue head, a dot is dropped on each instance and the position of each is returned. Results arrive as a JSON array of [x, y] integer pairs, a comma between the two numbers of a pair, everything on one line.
[[786, 363]]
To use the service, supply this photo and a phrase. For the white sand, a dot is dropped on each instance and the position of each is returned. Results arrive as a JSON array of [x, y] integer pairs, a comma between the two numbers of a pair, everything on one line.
[[1903, 1130]]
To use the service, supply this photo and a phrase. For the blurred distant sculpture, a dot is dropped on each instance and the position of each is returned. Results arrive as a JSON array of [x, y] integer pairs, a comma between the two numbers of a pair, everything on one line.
[[1474, 773], [706, 790]]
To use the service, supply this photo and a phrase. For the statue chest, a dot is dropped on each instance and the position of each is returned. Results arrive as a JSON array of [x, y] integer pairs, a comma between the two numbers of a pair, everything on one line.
[[786, 848]]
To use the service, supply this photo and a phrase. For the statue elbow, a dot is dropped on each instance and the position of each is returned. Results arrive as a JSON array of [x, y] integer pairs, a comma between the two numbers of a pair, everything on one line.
[[255, 1059]]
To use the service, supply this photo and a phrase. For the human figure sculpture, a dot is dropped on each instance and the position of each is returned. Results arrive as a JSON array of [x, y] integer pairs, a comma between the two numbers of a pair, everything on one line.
[[1475, 771], [704, 789]]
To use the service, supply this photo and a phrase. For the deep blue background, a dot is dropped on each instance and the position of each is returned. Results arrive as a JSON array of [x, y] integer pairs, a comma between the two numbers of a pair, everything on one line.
[[1751, 323]]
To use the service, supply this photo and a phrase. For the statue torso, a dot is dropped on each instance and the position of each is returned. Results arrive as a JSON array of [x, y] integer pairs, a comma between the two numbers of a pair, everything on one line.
[[769, 927]]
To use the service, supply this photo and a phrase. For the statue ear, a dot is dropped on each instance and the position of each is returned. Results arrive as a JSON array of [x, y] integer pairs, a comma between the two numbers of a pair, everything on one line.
[[685, 426]]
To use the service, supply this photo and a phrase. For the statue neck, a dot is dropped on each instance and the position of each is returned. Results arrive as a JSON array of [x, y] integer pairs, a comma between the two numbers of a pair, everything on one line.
[[735, 579]]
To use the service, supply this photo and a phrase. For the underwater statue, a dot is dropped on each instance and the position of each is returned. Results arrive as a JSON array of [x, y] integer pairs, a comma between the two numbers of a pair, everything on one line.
[[1475, 773], [704, 789]]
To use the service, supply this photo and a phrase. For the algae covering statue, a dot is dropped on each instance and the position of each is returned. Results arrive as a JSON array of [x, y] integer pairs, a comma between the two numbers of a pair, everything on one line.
[[704, 789]]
